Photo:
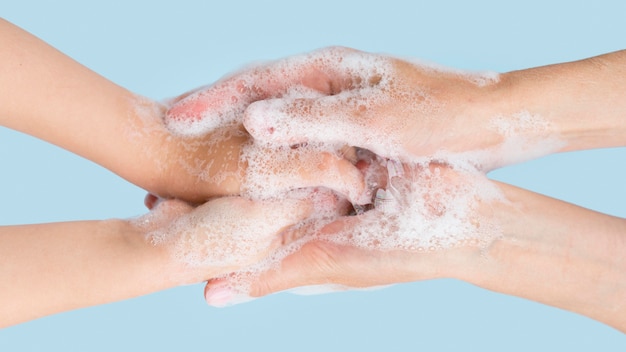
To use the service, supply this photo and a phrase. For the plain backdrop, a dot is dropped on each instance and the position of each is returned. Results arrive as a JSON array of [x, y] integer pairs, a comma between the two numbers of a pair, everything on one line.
[[161, 49]]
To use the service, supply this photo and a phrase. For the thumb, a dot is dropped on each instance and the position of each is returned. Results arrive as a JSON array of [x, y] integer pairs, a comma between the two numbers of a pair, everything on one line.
[[317, 262], [320, 72], [313, 264], [271, 170], [347, 118]]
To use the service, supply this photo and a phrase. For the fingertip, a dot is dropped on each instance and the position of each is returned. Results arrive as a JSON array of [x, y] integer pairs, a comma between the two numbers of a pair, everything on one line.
[[326, 169], [171, 207], [350, 181], [267, 121], [255, 122], [190, 108], [218, 293], [278, 121], [150, 201]]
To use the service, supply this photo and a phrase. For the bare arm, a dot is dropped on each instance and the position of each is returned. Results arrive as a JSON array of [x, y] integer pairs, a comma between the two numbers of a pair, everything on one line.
[[581, 103], [50, 96], [50, 268], [559, 254]]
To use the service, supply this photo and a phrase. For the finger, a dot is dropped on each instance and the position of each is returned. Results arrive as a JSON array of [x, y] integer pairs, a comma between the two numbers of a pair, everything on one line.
[[236, 218], [229, 233], [221, 293], [326, 72], [234, 288], [245, 218], [313, 264], [316, 262], [150, 200], [171, 208], [273, 170], [335, 259], [162, 212], [351, 118]]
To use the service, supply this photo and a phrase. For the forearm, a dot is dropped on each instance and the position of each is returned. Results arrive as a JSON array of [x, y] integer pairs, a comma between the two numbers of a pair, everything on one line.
[[582, 103], [49, 268], [48, 95], [558, 254]]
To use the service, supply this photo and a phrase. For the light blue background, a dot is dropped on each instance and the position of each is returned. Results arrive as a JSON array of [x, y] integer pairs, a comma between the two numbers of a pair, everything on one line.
[[162, 49]]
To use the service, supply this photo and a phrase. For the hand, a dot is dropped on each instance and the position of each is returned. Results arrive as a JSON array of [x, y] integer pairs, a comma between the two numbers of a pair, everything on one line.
[[229, 233], [125, 132], [332, 266], [403, 110], [225, 160], [396, 108], [523, 244], [434, 222]]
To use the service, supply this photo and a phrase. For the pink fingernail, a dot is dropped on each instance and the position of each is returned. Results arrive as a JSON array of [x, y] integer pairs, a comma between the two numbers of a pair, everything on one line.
[[219, 297]]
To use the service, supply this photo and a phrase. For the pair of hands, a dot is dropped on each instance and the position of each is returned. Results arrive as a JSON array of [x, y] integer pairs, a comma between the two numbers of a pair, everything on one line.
[[275, 133], [435, 133], [334, 99]]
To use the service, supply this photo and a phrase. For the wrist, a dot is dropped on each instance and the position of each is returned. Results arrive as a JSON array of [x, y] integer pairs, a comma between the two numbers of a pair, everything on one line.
[[507, 125], [155, 267], [579, 103], [558, 254], [147, 134], [164, 244]]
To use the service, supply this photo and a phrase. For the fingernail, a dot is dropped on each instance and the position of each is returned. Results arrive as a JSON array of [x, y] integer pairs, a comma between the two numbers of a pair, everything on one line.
[[219, 297], [255, 120], [385, 201], [394, 168]]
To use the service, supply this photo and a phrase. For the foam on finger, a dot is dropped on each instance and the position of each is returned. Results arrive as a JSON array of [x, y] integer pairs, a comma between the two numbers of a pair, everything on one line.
[[274, 169]]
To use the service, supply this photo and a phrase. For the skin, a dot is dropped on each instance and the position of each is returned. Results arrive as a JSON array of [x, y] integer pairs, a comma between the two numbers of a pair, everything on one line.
[[547, 250], [580, 103], [88, 263], [48, 95], [553, 261], [575, 265]]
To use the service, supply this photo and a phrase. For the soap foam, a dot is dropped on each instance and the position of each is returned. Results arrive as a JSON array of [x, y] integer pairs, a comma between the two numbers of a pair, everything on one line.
[[226, 232], [217, 236], [427, 207], [368, 92], [371, 93], [526, 136], [204, 110], [425, 204], [272, 169], [424, 208], [240, 282], [144, 123]]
